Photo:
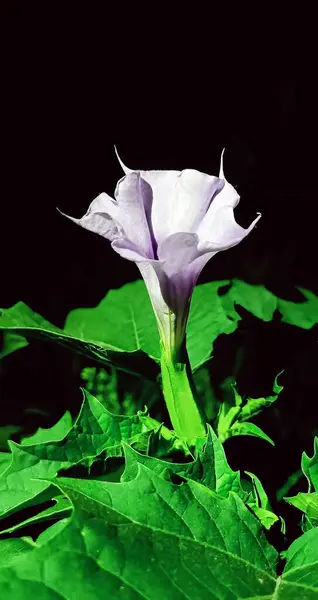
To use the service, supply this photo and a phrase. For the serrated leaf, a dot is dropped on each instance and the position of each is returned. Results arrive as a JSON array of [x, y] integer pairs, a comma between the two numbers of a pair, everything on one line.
[[55, 433], [262, 303], [95, 431], [157, 543], [209, 467], [235, 410], [149, 538]]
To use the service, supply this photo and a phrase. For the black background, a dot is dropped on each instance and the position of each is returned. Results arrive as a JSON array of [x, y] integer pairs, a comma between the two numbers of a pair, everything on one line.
[[170, 90]]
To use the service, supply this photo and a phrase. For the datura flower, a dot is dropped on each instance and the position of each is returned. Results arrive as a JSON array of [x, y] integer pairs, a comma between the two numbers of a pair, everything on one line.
[[170, 223]]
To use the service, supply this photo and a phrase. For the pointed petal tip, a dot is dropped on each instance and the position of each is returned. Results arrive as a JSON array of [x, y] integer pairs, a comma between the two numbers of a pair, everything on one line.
[[123, 166], [74, 219], [221, 173], [252, 225]]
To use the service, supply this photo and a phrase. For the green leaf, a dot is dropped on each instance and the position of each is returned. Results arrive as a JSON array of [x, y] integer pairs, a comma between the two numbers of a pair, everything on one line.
[[116, 328], [262, 303], [118, 332], [300, 576], [207, 320], [77, 336], [229, 410], [125, 541], [12, 550], [163, 441], [118, 323], [308, 504], [95, 431], [55, 433], [260, 495], [302, 314], [61, 508], [5, 460], [11, 342], [248, 429], [151, 538], [260, 504], [235, 410], [256, 299], [209, 467], [253, 406], [310, 467]]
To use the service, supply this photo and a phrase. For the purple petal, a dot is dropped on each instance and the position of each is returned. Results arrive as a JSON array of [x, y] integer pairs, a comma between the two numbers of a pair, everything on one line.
[[181, 263], [134, 200], [180, 199], [127, 249]]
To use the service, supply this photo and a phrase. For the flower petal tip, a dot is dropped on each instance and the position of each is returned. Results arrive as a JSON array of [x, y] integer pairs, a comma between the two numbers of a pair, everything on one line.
[[123, 166], [221, 173]]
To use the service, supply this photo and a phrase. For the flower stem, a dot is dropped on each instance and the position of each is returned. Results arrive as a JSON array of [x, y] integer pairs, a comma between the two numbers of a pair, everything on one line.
[[186, 416]]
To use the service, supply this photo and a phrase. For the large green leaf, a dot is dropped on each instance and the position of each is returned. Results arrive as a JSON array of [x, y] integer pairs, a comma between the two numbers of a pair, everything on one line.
[[262, 303], [148, 538], [151, 539], [79, 335], [209, 467], [95, 431], [118, 331], [118, 326]]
